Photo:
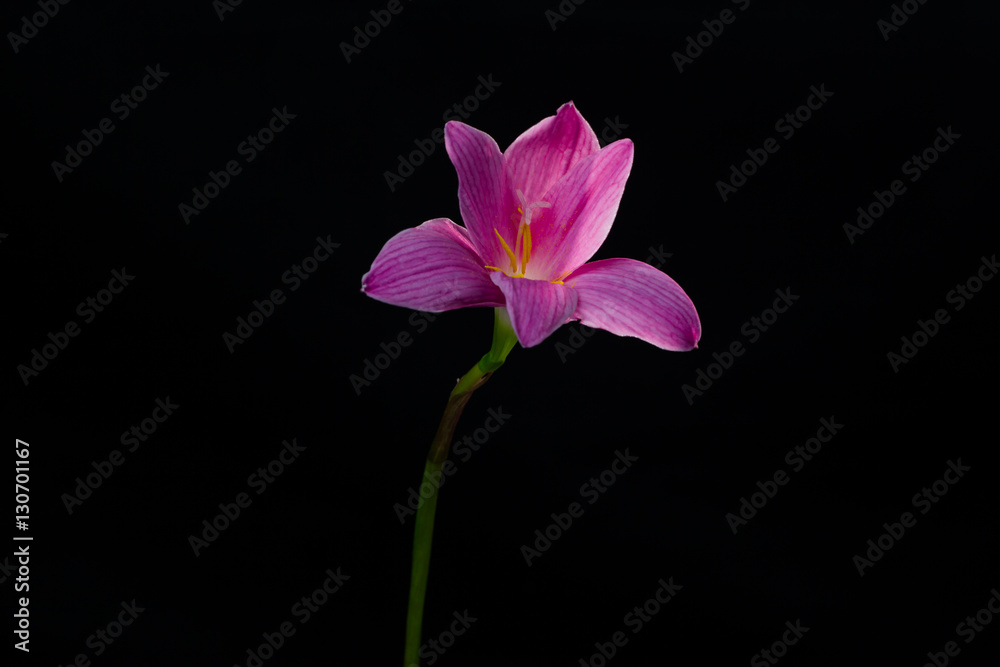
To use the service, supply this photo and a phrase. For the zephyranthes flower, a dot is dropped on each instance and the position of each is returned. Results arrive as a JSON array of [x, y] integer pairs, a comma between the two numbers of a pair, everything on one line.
[[534, 215]]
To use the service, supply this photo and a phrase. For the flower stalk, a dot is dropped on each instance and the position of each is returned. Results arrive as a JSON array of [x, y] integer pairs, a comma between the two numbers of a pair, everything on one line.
[[504, 340]]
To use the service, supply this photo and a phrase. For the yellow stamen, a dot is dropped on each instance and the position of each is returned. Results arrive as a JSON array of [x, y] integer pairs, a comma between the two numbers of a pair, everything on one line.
[[522, 242], [506, 249], [527, 247]]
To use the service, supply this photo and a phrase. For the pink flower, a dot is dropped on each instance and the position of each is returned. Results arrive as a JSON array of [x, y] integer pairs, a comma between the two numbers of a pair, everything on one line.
[[534, 215]]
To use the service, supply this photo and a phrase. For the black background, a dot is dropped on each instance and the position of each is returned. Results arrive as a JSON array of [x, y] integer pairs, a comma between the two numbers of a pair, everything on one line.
[[324, 176]]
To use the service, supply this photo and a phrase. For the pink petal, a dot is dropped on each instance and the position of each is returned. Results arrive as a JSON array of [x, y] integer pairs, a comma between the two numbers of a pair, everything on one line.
[[584, 205], [631, 298], [547, 151], [483, 198], [433, 268], [536, 307]]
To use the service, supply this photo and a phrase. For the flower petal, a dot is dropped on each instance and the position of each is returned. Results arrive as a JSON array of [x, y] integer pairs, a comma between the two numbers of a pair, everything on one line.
[[547, 151], [631, 298], [434, 268], [482, 189], [536, 307], [584, 205]]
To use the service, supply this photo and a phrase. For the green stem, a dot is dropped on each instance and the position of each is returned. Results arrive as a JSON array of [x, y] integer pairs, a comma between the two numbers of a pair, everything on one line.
[[423, 532]]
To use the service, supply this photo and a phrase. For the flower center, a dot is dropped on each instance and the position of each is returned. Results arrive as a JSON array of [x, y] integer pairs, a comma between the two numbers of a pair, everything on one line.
[[521, 253]]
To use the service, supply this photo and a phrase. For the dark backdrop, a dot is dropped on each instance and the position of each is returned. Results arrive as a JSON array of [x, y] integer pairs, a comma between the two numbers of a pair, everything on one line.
[[573, 403]]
